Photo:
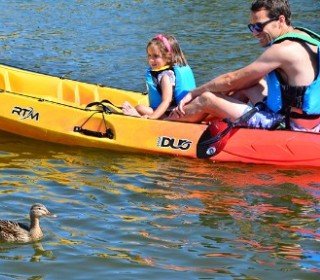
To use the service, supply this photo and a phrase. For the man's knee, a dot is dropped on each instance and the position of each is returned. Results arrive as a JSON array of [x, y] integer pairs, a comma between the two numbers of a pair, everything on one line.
[[207, 99]]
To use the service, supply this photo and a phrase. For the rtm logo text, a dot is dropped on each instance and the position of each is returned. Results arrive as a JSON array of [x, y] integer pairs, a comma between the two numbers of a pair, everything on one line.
[[25, 113], [173, 143]]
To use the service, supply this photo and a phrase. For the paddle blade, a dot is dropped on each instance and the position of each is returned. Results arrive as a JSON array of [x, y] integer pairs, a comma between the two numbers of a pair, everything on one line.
[[213, 139]]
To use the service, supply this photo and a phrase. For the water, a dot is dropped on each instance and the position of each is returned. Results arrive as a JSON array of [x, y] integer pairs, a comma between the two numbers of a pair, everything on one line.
[[130, 216]]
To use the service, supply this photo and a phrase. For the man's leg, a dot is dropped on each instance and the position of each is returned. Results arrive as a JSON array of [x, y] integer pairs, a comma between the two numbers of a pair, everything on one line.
[[253, 94], [213, 104]]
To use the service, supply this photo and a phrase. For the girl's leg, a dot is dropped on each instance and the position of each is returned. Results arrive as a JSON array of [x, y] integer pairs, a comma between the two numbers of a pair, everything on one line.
[[138, 111], [144, 110]]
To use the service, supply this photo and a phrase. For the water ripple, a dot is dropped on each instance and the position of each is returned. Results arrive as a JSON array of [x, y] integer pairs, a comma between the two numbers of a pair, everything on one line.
[[143, 216]]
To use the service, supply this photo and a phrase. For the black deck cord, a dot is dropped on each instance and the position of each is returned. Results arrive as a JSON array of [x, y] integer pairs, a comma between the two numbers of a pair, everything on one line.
[[109, 102], [105, 108], [108, 134], [41, 99], [98, 103]]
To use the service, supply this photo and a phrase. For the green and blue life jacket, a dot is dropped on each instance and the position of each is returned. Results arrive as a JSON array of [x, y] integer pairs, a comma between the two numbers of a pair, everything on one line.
[[184, 83], [281, 97]]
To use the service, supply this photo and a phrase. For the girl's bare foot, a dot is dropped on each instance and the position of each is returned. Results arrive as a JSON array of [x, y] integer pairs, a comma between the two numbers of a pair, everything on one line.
[[129, 110]]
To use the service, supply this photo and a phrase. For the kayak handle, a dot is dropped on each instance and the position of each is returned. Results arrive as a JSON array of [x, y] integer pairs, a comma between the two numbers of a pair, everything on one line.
[[108, 134]]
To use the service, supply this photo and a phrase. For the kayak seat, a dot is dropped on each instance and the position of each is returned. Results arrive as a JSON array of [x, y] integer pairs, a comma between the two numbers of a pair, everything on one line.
[[75, 93], [4, 81], [88, 94], [67, 92], [27, 84]]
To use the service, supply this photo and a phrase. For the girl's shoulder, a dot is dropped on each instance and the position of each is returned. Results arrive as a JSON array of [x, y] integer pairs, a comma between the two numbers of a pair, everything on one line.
[[169, 73]]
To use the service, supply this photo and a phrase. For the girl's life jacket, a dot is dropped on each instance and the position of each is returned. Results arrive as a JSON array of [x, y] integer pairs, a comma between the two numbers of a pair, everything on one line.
[[184, 83], [282, 97]]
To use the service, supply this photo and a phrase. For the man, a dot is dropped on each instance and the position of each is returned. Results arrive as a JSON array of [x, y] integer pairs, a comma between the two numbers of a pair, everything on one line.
[[291, 63]]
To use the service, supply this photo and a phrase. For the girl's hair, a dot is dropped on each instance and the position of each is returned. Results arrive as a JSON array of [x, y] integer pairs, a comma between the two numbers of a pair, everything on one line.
[[170, 49], [177, 54], [275, 8]]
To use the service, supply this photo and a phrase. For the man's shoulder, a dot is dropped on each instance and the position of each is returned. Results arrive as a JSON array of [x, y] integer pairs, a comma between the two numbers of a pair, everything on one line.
[[301, 35], [286, 46], [295, 46], [284, 52]]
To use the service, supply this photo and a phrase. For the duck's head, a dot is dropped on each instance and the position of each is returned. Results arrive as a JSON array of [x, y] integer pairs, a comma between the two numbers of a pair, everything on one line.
[[39, 210]]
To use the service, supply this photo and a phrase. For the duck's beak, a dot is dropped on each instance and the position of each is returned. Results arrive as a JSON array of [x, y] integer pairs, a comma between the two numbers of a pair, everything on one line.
[[49, 214]]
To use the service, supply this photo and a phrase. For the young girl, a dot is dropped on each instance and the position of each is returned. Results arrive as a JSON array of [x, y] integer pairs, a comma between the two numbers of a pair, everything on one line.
[[168, 79]]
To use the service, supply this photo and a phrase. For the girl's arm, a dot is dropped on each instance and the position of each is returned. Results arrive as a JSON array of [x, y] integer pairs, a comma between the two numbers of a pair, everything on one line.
[[167, 95]]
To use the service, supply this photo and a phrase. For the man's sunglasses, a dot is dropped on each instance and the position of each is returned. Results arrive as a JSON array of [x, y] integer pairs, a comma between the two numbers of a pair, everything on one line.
[[258, 27]]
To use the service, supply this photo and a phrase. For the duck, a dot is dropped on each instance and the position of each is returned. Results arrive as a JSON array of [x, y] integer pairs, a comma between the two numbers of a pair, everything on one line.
[[11, 231]]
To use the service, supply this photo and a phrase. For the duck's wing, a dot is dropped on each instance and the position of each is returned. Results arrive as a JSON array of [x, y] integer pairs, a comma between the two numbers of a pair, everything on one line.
[[12, 231], [23, 226]]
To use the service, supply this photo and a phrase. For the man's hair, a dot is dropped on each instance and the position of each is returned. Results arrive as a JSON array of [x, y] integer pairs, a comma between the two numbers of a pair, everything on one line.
[[275, 8]]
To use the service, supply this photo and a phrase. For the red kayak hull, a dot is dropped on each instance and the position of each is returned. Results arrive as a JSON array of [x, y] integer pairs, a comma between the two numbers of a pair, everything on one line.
[[271, 147]]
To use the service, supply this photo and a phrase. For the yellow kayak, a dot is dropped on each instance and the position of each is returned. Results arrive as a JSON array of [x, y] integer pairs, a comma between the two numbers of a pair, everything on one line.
[[69, 112]]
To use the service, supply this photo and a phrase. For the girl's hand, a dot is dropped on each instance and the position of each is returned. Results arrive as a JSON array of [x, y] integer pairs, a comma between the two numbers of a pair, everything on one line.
[[178, 111], [184, 101]]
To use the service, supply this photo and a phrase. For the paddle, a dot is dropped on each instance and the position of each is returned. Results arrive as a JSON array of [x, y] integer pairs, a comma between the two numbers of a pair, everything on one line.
[[215, 137]]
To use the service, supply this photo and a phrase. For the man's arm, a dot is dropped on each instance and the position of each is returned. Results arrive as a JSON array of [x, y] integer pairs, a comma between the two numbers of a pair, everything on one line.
[[244, 77]]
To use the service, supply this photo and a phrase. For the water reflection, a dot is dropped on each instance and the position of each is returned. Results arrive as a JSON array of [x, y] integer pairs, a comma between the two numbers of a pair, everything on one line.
[[123, 212], [7, 252], [40, 253]]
